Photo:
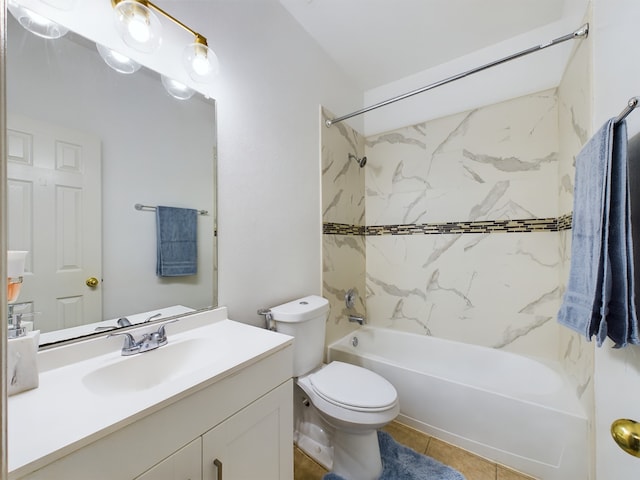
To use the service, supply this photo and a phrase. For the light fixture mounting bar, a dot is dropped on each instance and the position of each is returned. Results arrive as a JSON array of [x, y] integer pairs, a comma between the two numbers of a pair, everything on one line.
[[199, 38]]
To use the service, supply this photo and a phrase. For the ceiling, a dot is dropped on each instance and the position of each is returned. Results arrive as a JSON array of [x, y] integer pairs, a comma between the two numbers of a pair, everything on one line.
[[376, 42]]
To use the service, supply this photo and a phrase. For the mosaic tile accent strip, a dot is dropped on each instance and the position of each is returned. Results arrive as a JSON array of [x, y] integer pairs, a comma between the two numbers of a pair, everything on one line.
[[485, 226], [565, 221], [329, 228]]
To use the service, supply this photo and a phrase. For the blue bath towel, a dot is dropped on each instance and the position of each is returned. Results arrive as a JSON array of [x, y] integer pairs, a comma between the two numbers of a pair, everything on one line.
[[600, 298], [621, 323], [402, 463], [177, 247]]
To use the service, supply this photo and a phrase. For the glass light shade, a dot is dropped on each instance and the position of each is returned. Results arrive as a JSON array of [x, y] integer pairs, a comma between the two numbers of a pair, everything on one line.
[[177, 89], [138, 26], [120, 63], [36, 23], [201, 62], [60, 4]]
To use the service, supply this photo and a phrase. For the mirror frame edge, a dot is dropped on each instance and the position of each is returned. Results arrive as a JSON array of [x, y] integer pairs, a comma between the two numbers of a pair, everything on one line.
[[3, 241]]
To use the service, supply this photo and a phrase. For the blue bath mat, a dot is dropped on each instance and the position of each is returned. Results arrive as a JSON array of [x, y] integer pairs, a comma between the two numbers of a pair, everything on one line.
[[402, 463]]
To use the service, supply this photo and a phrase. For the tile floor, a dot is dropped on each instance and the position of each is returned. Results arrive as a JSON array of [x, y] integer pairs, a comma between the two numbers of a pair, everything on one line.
[[470, 465]]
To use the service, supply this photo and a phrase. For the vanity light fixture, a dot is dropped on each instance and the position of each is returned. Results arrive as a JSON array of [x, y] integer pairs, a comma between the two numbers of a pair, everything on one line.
[[140, 29], [36, 23], [119, 62]]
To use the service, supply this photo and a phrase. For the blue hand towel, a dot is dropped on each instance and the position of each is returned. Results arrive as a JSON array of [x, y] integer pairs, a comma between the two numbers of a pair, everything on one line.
[[177, 246], [599, 299], [402, 463]]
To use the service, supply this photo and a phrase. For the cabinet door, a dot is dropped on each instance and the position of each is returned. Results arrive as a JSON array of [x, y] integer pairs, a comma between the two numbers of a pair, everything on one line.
[[255, 443], [185, 464]]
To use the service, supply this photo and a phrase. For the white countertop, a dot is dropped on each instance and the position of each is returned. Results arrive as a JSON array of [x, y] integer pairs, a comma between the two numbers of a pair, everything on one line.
[[67, 412]]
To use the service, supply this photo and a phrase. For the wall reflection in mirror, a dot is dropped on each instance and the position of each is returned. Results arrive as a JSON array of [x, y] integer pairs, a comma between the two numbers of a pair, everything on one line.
[[85, 144]]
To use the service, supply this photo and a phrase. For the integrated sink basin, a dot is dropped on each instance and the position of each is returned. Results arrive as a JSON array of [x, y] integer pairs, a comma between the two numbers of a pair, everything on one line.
[[143, 371]]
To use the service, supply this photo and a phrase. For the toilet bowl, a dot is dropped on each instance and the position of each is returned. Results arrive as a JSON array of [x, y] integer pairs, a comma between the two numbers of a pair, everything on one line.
[[355, 402], [351, 401]]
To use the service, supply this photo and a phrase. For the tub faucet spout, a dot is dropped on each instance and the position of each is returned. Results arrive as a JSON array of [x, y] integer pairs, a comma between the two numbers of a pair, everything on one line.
[[360, 320]]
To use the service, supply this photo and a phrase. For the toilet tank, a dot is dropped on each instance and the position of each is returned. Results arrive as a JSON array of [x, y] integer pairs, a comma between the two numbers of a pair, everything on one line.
[[305, 320]]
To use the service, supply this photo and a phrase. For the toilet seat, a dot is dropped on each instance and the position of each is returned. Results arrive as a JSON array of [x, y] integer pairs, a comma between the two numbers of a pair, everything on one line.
[[354, 388]]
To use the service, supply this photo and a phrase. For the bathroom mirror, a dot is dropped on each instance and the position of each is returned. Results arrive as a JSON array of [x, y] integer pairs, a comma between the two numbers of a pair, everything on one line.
[[151, 149]]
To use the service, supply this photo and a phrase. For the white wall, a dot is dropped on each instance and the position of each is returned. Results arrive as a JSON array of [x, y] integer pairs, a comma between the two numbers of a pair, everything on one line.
[[616, 70]]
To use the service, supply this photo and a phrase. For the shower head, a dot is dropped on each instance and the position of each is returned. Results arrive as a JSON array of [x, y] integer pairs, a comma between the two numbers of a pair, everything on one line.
[[361, 161]]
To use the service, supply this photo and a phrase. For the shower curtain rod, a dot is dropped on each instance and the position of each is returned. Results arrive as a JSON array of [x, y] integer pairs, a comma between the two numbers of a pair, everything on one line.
[[583, 31]]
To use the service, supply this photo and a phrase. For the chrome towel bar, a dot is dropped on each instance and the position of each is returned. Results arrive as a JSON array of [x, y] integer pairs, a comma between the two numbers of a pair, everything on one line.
[[139, 206]]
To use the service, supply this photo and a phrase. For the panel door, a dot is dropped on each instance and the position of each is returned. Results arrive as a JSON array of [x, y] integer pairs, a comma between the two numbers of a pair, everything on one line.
[[255, 443], [54, 212]]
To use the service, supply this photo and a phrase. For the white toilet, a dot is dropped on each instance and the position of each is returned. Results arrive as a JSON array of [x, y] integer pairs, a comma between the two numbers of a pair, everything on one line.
[[351, 399]]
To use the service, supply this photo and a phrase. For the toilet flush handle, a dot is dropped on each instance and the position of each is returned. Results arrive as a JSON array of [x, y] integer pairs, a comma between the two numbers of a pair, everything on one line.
[[270, 324]]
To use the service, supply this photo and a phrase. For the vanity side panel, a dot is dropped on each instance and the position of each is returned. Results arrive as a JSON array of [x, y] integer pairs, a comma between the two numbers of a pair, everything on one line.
[[135, 448]]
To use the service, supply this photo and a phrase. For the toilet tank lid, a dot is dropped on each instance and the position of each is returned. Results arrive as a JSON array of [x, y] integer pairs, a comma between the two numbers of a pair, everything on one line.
[[301, 310]]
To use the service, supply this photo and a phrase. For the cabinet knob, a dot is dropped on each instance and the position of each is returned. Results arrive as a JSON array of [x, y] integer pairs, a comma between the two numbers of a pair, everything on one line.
[[218, 465]]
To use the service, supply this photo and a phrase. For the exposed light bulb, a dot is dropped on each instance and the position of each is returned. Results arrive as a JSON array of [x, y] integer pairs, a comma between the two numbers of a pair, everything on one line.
[[138, 26], [200, 61], [200, 64]]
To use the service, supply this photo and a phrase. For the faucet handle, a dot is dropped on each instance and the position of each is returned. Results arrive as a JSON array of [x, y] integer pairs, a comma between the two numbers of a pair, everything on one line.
[[161, 334], [129, 341]]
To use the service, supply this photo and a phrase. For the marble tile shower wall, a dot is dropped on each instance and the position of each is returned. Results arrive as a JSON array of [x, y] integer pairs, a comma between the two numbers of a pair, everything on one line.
[[495, 289], [343, 256], [513, 160]]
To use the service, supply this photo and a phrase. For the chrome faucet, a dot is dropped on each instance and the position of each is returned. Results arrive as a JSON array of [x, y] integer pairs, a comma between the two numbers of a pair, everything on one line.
[[148, 341], [350, 302]]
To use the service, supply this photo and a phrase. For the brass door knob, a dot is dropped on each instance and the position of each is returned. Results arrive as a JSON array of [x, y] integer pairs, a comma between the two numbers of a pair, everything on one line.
[[92, 282], [626, 433]]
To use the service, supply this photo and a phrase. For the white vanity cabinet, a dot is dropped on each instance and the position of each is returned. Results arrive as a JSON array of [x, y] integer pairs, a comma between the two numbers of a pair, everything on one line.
[[231, 419], [255, 443]]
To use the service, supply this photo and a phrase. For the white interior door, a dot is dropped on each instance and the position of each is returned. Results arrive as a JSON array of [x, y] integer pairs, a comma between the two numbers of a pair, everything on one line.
[[54, 212]]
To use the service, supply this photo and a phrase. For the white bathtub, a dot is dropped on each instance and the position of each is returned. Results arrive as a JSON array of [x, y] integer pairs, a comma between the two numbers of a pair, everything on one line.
[[508, 408]]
